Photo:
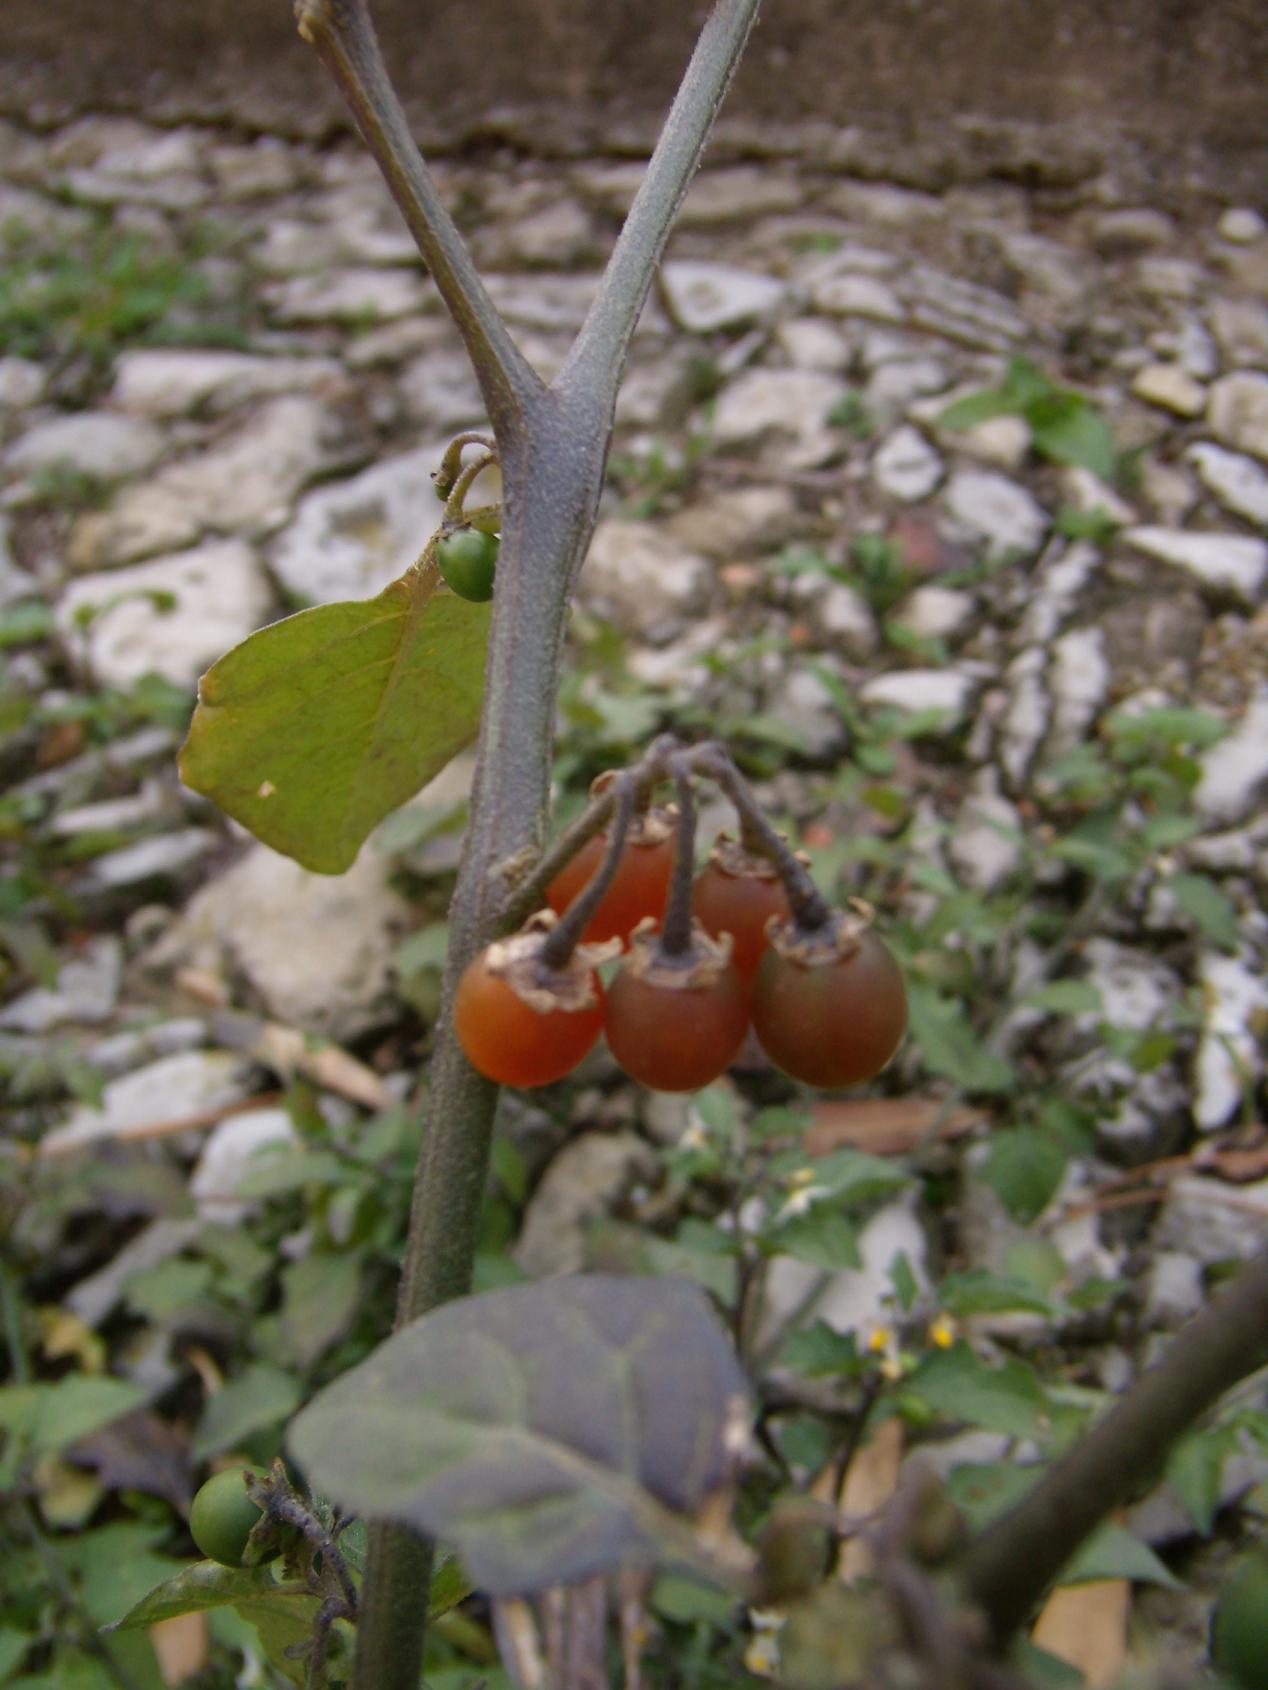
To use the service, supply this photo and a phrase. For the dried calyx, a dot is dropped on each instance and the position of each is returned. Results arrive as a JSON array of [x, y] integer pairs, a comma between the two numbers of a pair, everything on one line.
[[538, 980], [701, 961], [833, 939]]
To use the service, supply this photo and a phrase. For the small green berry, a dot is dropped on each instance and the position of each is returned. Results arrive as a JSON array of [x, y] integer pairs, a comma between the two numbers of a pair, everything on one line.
[[1239, 1633], [468, 559], [223, 1516]]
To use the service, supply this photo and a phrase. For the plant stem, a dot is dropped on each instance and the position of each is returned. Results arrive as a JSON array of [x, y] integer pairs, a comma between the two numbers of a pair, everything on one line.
[[605, 335], [675, 931], [1007, 1569], [561, 943], [341, 33]]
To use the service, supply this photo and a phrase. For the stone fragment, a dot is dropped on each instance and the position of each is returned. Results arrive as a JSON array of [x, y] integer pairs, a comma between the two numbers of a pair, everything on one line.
[[737, 522], [88, 443], [173, 616], [962, 311], [84, 992], [164, 857], [589, 1178], [1027, 712], [315, 948], [852, 1300], [93, 1297], [22, 383], [1170, 388], [350, 539], [188, 1084], [1238, 482], [844, 621], [917, 690], [702, 298], [883, 203], [441, 393], [1241, 225], [740, 192], [805, 706], [1238, 411], [172, 382], [1229, 563], [812, 344], [551, 236], [1126, 232], [936, 613], [640, 578], [1230, 1053], [1236, 769], [996, 512], [786, 410], [858, 296], [361, 296], [1079, 678], [233, 1149], [264, 167], [1174, 1289], [986, 845], [905, 466], [1241, 328]]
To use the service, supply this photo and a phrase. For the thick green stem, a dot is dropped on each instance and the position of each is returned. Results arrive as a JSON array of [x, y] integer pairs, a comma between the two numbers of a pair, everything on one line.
[[1007, 1569]]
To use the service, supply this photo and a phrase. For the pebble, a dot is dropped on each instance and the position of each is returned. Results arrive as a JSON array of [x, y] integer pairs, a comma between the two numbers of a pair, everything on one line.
[[361, 295], [1228, 562], [996, 511], [1238, 411], [986, 842], [1174, 1289], [1170, 388], [1235, 770], [905, 466], [786, 411], [94, 444], [843, 619], [811, 344], [1079, 679], [858, 296], [641, 579], [737, 522], [585, 1182], [173, 616], [84, 993], [166, 856], [853, 1300], [917, 690], [351, 539], [165, 382], [22, 383], [807, 708], [1131, 230], [315, 949], [1238, 482], [936, 613], [227, 1158], [1241, 225], [703, 298], [188, 1084]]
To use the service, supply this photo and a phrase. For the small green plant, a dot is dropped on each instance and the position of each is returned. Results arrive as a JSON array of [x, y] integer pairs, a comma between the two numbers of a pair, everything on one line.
[[1064, 426]]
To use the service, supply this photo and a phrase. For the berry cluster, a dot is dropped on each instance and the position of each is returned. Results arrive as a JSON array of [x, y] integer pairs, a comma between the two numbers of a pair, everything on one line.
[[747, 942]]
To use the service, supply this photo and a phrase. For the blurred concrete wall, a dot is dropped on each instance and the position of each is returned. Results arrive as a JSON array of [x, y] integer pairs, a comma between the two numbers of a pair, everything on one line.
[[1186, 78]]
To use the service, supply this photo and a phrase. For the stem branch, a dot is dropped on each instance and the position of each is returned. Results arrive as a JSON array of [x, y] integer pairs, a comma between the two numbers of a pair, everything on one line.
[[1007, 1569]]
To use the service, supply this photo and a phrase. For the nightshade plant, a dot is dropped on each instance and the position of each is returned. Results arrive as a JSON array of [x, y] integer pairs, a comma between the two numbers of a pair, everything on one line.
[[556, 1432]]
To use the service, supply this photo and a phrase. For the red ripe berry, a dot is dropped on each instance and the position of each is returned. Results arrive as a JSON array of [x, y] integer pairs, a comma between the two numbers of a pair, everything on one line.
[[521, 1022], [737, 893], [829, 1019], [639, 888], [676, 1023]]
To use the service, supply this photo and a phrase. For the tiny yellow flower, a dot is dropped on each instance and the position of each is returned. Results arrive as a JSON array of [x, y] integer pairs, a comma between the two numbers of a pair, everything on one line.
[[881, 1340], [801, 1176], [942, 1332], [762, 1655]]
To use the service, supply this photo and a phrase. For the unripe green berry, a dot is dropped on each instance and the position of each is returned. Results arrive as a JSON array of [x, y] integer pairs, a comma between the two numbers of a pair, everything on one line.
[[468, 559], [223, 1516]]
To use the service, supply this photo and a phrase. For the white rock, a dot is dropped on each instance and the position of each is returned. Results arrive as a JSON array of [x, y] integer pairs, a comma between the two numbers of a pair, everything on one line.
[[859, 296], [91, 443], [440, 391], [740, 191], [1170, 388], [844, 619], [1137, 991], [170, 382], [1057, 588], [1239, 483], [962, 311], [350, 539], [1213, 1221], [1241, 225], [640, 578], [702, 298], [265, 167], [359, 295], [1127, 230], [736, 522], [880, 202], [228, 1157], [905, 466], [188, 1084], [1173, 1289], [22, 383], [949, 690], [583, 1184], [1087, 492], [807, 708], [1241, 328], [1235, 770], [1079, 677], [109, 815], [1167, 488], [1230, 562], [791, 407], [220, 594], [1238, 411], [893, 385], [812, 344], [857, 1300], [997, 512], [85, 991], [936, 613], [315, 948], [165, 856], [93, 1298], [1027, 713], [986, 844]]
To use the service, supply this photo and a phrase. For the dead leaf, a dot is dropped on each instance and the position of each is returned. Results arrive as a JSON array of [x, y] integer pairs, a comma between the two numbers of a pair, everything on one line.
[[284, 1049], [1086, 1626], [887, 1126], [139, 1452], [182, 1645], [870, 1481]]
